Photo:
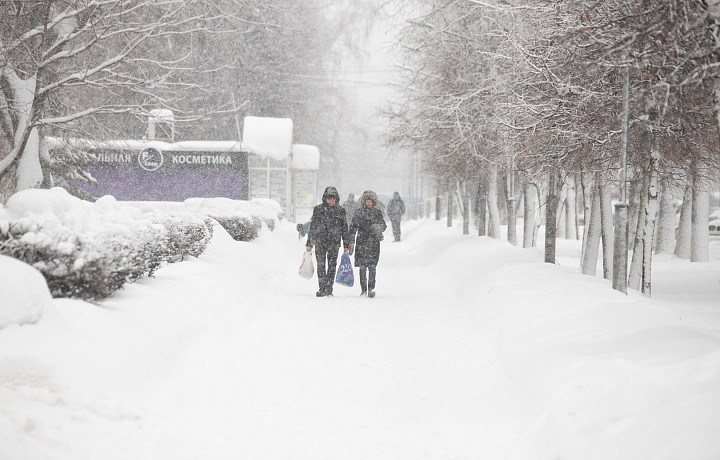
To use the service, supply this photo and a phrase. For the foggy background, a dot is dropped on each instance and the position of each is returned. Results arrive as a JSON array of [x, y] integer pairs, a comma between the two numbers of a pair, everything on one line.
[[363, 162]]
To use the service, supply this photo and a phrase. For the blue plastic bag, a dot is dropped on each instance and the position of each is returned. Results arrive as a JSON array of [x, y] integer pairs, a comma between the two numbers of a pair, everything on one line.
[[345, 275]]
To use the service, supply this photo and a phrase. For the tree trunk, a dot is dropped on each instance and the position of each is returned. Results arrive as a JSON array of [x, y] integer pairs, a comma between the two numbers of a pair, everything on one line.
[[47, 181], [593, 235], [24, 152], [464, 199], [551, 203], [561, 212], [449, 207], [684, 229], [665, 234], [492, 201], [586, 183], [571, 229], [529, 229], [700, 238], [652, 204], [633, 201], [635, 271], [607, 224], [481, 206]]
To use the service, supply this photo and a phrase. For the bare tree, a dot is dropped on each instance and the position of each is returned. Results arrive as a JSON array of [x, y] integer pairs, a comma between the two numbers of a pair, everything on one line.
[[51, 53]]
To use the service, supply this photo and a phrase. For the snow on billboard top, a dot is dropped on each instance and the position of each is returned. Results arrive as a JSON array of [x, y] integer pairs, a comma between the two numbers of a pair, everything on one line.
[[305, 157], [268, 137], [141, 144]]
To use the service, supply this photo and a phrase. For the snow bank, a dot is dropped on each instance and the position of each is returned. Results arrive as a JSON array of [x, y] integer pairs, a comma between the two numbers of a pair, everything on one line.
[[24, 296]]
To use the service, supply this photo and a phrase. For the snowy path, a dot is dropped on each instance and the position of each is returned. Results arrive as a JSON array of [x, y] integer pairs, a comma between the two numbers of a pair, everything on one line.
[[410, 374], [469, 351]]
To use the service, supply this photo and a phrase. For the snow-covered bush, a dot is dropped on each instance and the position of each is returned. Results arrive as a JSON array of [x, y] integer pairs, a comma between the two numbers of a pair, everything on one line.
[[240, 228], [243, 220], [89, 250]]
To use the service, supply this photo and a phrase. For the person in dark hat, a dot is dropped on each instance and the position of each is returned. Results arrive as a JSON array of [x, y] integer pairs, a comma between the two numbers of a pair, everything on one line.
[[366, 229], [328, 229]]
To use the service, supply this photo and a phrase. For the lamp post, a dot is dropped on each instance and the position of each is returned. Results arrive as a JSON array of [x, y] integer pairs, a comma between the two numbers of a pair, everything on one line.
[[620, 256]]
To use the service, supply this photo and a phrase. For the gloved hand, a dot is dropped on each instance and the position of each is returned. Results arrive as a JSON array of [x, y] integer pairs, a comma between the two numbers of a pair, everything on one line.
[[351, 248]]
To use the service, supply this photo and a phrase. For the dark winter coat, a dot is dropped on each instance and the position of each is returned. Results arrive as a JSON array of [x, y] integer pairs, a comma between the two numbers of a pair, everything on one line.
[[367, 241], [328, 225], [396, 207]]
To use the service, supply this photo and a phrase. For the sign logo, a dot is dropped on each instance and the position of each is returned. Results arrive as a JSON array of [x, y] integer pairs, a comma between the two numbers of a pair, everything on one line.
[[150, 159]]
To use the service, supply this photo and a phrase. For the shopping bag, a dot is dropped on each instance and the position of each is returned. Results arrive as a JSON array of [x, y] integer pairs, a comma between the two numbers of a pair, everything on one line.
[[307, 267], [345, 275]]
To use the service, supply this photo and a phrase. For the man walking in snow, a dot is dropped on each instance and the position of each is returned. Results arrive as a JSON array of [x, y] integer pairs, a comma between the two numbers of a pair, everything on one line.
[[328, 228], [395, 211]]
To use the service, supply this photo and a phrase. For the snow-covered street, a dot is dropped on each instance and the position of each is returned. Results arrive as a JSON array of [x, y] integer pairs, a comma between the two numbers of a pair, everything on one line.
[[471, 349]]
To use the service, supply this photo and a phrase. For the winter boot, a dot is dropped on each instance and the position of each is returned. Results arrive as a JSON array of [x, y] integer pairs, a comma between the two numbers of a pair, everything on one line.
[[321, 291], [363, 287], [329, 286], [371, 288]]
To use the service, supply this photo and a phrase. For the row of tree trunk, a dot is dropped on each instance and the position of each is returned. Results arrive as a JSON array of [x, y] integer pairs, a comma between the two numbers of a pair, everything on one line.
[[653, 222]]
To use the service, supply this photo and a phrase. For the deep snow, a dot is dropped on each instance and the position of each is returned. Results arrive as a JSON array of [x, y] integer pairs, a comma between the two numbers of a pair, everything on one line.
[[472, 349]]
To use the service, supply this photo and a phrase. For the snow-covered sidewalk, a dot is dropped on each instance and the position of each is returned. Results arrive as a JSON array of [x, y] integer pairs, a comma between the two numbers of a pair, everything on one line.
[[471, 349]]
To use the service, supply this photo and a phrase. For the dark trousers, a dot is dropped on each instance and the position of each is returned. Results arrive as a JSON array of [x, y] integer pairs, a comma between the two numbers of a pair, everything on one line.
[[326, 264], [396, 228], [371, 271]]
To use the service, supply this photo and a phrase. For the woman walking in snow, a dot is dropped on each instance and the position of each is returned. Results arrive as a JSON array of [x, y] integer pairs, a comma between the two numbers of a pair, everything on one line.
[[366, 230]]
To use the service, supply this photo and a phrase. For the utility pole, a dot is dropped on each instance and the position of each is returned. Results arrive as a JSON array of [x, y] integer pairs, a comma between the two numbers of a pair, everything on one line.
[[512, 215], [620, 256]]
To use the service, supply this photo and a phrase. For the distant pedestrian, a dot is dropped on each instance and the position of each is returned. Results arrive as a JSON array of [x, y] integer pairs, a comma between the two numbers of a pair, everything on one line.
[[350, 207], [395, 210], [365, 235], [303, 229], [328, 229]]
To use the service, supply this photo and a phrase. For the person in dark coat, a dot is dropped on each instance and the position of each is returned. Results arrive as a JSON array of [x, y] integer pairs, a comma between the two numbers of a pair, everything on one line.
[[366, 230], [328, 229], [395, 210], [350, 207]]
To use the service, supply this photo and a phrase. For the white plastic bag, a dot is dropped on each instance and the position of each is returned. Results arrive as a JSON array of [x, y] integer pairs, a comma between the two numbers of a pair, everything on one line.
[[307, 267]]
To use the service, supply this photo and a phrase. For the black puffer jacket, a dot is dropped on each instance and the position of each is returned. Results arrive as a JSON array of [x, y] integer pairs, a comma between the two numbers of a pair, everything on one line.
[[328, 226], [368, 224]]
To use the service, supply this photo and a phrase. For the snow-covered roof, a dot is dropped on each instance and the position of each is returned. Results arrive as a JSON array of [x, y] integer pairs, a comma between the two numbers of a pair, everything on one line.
[[140, 144], [305, 157], [268, 137], [158, 115]]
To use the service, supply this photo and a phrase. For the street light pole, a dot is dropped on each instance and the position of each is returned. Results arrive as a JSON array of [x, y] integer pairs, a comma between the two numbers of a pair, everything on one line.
[[620, 256]]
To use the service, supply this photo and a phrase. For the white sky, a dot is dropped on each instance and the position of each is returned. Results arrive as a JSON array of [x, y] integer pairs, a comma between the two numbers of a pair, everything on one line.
[[471, 349], [364, 162]]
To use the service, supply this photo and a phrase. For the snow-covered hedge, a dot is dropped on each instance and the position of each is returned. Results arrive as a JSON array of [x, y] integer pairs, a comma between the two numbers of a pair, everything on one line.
[[89, 250], [243, 220]]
